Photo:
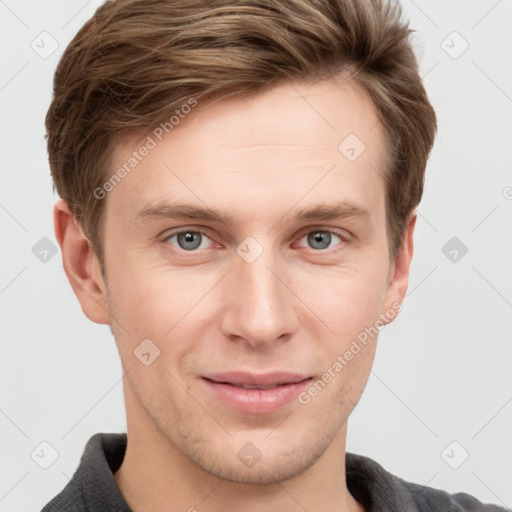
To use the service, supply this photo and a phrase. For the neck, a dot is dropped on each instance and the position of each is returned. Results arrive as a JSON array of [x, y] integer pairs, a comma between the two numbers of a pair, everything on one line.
[[156, 476]]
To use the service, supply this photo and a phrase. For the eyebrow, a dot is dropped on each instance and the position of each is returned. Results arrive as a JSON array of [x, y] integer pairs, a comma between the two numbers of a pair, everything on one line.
[[331, 211]]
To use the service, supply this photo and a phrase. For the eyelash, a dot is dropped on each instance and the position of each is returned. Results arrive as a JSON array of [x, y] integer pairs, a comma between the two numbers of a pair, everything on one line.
[[339, 234]]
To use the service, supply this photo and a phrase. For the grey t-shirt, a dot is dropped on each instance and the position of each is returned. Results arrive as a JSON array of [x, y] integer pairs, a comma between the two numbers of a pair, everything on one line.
[[94, 489]]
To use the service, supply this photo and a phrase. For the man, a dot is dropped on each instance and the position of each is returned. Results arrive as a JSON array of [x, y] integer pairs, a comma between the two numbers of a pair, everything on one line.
[[238, 183]]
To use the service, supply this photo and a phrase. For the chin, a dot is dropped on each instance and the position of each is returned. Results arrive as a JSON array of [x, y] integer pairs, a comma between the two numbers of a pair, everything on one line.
[[252, 459], [268, 470]]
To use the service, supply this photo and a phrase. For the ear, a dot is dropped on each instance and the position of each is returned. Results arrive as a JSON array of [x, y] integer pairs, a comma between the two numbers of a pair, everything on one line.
[[398, 279], [80, 264]]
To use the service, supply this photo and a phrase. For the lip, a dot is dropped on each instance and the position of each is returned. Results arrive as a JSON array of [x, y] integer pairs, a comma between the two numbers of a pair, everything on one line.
[[274, 391]]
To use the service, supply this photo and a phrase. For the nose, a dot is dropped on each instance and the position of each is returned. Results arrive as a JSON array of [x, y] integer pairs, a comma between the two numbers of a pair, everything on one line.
[[259, 305]]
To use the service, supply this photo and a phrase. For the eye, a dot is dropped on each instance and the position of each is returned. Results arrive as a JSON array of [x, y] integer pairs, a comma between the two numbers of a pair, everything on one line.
[[188, 240], [321, 239]]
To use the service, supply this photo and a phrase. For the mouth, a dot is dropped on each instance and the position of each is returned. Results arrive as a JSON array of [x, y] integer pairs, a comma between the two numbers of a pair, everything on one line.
[[253, 386], [256, 393]]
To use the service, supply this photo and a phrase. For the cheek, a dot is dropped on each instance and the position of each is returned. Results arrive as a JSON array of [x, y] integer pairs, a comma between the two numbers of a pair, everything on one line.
[[346, 299], [153, 298], [163, 305]]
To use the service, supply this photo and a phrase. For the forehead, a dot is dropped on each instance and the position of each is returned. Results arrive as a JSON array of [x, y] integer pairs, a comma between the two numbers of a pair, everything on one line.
[[317, 141]]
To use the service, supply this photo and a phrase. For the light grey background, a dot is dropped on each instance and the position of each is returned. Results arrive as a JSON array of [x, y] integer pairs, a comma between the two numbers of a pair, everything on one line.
[[443, 369]]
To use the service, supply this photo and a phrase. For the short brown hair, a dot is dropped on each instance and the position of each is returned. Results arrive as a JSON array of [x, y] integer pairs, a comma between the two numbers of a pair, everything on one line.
[[136, 61]]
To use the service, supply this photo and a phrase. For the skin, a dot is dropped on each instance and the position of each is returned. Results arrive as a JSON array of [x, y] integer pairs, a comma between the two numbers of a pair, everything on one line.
[[295, 308]]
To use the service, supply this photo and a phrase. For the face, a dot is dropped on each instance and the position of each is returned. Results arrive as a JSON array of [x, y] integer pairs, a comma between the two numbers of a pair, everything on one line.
[[248, 249]]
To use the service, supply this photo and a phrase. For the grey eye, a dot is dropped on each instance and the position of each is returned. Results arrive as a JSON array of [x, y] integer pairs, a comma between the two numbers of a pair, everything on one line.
[[319, 239], [189, 240]]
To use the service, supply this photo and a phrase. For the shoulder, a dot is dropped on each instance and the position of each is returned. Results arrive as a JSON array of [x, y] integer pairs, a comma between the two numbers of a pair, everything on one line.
[[380, 491], [70, 499], [436, 500], [93, 487]]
